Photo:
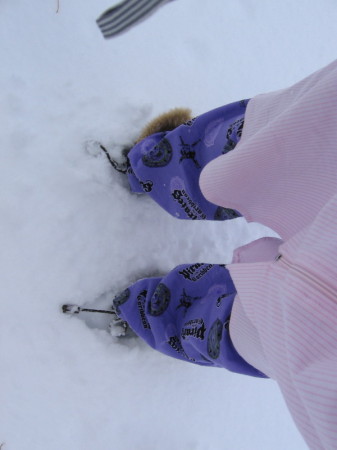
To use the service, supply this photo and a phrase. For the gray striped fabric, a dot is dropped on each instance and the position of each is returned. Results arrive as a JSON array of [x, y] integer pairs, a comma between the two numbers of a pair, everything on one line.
[[123, 16]]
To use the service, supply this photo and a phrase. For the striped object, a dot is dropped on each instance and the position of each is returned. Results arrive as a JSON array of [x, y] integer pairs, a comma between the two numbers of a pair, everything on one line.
[[283, 174], [123, 16]]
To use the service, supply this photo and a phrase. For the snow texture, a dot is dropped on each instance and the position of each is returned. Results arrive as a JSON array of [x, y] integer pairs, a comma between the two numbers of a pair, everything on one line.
[[70, 231]]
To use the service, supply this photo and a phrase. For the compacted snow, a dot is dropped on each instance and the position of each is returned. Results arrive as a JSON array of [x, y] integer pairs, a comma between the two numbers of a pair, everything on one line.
[[70, 231]]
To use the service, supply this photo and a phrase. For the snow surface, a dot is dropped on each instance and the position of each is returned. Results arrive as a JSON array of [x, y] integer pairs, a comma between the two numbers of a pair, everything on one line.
[[70, 231]]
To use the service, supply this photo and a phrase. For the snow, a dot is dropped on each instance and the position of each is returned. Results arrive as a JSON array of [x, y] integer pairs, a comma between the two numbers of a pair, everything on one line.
[[70, 231]]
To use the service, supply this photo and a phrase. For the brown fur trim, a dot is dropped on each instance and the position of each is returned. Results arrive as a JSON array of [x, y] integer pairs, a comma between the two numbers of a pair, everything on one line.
[[166, 122]]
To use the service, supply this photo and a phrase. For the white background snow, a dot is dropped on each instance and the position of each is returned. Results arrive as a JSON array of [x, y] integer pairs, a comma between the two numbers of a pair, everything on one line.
[[70, 230]]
